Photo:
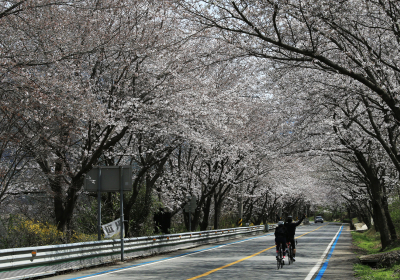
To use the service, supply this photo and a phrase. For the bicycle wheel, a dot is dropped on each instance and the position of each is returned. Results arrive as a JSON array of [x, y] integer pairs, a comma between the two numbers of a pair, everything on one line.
[[290, 254], [280, 256]]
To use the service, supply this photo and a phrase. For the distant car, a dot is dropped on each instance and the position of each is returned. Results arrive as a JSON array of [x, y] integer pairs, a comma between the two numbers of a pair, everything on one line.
[[319, 219]]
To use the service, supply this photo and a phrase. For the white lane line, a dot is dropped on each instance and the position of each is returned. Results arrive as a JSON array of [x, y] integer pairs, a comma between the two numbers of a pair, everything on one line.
[[316, 267]]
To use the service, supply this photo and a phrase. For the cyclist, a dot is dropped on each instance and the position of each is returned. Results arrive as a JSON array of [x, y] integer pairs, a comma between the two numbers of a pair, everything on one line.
[[291, 231], [280, 239]]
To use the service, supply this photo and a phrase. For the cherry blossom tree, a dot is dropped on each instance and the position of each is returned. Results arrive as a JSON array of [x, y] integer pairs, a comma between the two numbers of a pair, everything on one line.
[[222, 100], [86, 75], [350, 48]]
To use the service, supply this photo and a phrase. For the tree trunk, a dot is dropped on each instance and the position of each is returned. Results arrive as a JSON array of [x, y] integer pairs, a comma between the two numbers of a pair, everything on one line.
[[381, 224], [150, 181], [217, 211], [377, 194], [196, 219], [206, 214], [391, 226], [379, 212]]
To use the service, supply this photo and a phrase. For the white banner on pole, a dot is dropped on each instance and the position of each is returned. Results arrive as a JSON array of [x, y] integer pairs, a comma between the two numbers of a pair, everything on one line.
[[112, 230]]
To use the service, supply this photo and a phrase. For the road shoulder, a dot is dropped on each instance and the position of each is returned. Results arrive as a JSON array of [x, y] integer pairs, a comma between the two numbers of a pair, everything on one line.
[[341, 263]]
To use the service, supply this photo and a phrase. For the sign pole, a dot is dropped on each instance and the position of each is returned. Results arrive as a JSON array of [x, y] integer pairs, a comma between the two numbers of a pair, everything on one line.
[[99, 205], [122, 211], [109, 179]]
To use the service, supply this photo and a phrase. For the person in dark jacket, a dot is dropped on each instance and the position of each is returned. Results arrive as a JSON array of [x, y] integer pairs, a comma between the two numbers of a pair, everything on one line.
[[280, 238], [291, 231]]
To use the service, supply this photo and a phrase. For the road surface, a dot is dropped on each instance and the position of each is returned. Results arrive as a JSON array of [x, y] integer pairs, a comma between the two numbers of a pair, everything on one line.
[[246, 258]]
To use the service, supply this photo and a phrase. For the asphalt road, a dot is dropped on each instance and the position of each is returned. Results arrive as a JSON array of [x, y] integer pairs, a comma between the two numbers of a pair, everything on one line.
[[247, 258]]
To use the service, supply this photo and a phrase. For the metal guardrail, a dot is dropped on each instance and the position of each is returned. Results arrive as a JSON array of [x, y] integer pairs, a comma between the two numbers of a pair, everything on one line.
[[22, 263]]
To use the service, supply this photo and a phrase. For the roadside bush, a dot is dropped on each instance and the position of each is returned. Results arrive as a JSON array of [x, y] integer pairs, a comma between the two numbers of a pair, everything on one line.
[[142, 215], [229, 221], [177, 224], [82, 237], [18, 231], [21, 232], [85, 216]]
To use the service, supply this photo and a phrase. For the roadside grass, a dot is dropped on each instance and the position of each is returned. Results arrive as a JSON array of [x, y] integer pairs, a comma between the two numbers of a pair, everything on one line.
[[368, 241], [366, 272]]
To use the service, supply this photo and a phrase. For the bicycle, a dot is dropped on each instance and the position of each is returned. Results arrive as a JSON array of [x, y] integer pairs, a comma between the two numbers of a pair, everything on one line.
[[279, 258]]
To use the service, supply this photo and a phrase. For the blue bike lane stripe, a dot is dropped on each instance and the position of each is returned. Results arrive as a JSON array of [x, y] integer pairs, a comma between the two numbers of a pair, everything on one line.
[[165, 259], [325, 265]]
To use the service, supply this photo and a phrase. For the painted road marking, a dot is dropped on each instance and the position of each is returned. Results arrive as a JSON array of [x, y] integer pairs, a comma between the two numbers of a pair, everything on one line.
[[163, 260], [248, 257], [325, 265], [227, 265], [315, 268]]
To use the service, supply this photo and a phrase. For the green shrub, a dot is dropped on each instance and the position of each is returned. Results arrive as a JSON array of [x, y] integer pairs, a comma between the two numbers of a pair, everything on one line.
[[228, 221], [21, 232], [18, 231]]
